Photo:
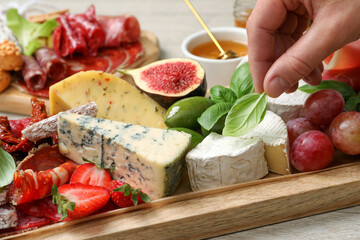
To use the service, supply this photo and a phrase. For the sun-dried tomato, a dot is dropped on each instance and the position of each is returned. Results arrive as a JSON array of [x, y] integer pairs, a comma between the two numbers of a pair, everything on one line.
[[38, 110]]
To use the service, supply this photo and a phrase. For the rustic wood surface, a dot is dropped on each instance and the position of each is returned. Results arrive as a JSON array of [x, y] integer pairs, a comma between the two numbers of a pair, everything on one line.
[[171, 21]]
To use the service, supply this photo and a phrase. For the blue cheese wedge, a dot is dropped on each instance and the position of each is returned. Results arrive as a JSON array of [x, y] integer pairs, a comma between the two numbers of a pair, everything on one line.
[[220, 160], [148, 158]]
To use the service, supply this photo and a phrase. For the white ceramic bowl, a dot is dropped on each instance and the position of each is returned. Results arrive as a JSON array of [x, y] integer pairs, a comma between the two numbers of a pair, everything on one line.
[[218, 72]]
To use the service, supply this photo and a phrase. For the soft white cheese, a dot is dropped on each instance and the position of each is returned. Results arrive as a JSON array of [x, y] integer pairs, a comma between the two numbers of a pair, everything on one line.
[[272, 130], [220, 160]]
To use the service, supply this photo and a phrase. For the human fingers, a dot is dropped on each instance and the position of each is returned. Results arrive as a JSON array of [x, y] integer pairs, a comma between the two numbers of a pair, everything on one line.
[[266, 17]]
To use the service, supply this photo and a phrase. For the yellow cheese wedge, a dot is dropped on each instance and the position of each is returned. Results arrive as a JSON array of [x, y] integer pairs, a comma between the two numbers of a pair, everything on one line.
[[116, 99]]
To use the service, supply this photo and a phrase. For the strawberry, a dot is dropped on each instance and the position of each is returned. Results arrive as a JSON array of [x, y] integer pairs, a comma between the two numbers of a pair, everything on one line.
[[125, 196], [77, 200], [90, 174]]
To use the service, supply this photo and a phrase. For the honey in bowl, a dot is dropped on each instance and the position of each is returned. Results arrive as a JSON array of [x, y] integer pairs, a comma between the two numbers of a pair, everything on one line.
[[209, 50]]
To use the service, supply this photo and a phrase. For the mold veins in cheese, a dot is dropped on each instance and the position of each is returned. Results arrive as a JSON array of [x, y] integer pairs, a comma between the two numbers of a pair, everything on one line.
[[289, 105], [220, 160], [116, 99], [148, 158], [272, 130]]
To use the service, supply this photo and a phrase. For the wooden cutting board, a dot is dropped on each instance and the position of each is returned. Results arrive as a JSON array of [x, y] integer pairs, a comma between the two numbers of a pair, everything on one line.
[[14, 101], [202, 214]]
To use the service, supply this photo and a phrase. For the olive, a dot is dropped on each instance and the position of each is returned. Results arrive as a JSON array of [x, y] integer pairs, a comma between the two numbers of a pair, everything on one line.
[[185, 112]]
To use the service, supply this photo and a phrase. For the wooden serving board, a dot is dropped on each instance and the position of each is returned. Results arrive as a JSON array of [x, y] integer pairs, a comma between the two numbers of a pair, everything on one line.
[[202, 214], [14, 101]]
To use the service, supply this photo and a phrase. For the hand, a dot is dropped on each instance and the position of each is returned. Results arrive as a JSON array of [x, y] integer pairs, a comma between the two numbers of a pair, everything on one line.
[[280, 54]]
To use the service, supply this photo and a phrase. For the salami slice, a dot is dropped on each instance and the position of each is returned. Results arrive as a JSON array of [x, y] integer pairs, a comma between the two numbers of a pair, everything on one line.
[[54, 66], [119, 30], [34, 75], [83, 63]]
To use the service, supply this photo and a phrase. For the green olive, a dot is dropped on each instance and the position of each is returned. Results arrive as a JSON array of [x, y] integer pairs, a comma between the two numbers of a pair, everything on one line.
[[185, 112]]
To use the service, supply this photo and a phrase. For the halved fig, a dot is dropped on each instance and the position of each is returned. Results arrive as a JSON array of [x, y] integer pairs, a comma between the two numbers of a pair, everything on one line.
[[170, 80]]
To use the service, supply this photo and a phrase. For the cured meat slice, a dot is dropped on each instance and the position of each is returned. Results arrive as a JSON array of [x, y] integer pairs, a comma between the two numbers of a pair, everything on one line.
[[29, 222], [119, 30], [18, 125], [122, 57], [34, 75], [8, 217], [91, 29], [4, 196], [68, 40], [83, 63], [54, 66]]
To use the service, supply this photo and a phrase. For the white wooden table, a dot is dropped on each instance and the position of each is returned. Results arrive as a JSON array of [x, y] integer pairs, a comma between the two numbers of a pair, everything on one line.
[[172, 21]]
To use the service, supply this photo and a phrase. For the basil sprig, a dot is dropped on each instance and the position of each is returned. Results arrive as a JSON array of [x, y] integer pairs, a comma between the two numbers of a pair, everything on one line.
[[7, 168], [244, 108], [245, 115], [352, 101]]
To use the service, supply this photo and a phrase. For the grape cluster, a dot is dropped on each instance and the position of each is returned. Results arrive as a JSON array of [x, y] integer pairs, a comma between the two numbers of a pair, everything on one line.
[[325, 126]]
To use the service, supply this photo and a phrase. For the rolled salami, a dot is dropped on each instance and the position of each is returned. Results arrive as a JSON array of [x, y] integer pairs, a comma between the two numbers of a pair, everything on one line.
[[34, 75], [54, 66], [119, 30]]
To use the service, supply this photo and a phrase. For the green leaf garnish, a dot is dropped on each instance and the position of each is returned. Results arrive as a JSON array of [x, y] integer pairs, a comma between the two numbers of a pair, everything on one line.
[[245, 115], [241, 81], [28, 33], [353, 103], [345, 90], [222, 94], [211, 115], [7, 168]]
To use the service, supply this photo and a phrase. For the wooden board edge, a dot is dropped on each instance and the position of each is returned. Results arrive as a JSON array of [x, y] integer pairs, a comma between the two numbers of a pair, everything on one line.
[[251, 205], [15, 101]]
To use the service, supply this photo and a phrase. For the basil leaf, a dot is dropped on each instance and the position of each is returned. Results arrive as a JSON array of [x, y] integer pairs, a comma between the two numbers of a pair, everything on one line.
[[241, 81], [345, 90], [222, 94], [352, 103], [7, 168], [245, 115], [211, 115]]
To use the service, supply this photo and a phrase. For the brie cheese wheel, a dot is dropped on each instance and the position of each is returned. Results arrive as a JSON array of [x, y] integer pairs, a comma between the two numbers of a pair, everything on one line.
[[220, 160], [289, 105], [272, 130]]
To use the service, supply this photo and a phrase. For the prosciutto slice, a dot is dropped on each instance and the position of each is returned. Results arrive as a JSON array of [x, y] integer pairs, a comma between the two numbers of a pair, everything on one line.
[[119, 30], [80, 33], [33, 74], [54, 66]]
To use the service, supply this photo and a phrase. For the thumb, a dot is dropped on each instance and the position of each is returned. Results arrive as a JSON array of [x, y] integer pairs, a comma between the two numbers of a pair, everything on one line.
[[300, 61]]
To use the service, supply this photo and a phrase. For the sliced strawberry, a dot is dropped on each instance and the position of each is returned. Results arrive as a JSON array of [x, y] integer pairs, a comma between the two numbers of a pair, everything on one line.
[[123, 195], [77, 200], [90, 174]]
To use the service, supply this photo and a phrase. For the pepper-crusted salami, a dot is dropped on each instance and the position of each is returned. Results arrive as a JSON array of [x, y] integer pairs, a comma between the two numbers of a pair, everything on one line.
[[54, 66], [119, 30], [34, 75]]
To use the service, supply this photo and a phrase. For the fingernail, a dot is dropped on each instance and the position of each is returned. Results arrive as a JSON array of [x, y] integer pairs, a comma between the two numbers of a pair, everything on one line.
[[277, 86]]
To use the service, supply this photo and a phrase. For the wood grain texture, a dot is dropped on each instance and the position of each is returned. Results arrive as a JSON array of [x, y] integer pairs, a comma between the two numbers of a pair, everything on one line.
[[202, 214], [15, 101]]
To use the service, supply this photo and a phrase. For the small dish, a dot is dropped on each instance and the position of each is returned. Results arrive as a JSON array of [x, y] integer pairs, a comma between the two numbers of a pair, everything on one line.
[[218, 72]]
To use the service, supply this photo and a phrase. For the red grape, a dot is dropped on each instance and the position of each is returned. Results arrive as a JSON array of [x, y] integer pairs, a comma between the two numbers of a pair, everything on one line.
[[323, 106], [312, 150], [298, 126], [345, 132]]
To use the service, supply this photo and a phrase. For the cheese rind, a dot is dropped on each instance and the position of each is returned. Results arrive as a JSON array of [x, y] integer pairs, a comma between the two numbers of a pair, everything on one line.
[[272, 130], [148, 158], [289, 105], [116, 99], [220, 160]]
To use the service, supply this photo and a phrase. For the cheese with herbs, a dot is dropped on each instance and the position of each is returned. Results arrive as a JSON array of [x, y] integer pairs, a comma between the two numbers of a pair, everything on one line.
[[148, 158], [116, 99], [272, 130], [220, 160], [289, 105]]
